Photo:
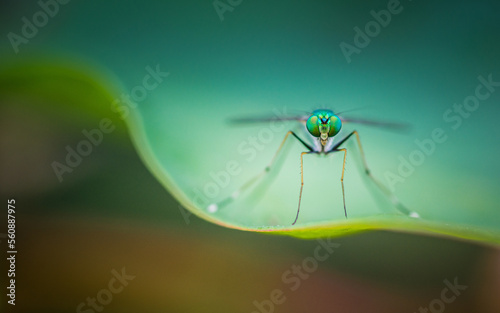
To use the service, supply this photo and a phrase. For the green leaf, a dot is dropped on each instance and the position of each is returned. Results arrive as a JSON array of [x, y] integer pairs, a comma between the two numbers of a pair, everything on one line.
[[187, 142], [62, 89]]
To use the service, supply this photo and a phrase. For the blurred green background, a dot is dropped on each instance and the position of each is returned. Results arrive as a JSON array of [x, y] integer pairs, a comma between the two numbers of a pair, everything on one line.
[[110, 212]]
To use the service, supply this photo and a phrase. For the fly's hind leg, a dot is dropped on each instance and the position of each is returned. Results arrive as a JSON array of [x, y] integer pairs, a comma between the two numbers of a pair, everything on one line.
[[382, 188], [212, 208]]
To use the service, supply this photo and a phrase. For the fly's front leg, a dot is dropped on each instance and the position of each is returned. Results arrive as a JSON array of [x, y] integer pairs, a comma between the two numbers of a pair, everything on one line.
[[342, 176], [301, 182]]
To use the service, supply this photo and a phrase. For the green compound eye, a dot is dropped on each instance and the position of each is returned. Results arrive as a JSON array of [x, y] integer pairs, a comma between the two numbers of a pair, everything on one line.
[[335, 126], [312, 126]]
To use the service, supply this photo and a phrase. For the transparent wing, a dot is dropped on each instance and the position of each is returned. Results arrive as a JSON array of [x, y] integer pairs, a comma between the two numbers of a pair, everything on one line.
[[303, 118], [377, 123], [263, 119]]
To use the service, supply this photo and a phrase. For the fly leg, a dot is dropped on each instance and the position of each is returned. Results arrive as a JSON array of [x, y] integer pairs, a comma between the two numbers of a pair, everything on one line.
[[342, 176], [301, 182], [380, 186], [216, 206]]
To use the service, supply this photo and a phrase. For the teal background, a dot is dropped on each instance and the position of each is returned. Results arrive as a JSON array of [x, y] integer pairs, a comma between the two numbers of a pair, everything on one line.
[[261, 56], [265, 56]]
